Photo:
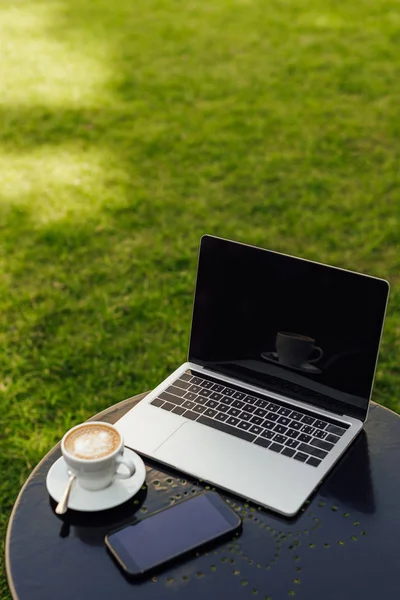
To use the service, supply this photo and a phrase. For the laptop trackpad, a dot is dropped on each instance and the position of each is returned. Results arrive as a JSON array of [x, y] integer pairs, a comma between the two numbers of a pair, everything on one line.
[[218, 458]]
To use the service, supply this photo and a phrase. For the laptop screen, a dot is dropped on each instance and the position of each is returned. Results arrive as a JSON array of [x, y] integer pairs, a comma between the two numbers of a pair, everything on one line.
[[299, 328]]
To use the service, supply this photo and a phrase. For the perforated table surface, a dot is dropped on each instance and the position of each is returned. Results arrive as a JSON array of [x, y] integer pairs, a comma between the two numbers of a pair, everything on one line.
[[343, 544]]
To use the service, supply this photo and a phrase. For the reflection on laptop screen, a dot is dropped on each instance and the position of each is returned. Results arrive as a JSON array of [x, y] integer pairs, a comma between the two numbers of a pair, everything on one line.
[[302, 329]]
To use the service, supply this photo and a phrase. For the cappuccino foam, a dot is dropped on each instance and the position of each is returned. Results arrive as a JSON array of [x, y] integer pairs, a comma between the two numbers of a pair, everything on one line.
[[92, 441]]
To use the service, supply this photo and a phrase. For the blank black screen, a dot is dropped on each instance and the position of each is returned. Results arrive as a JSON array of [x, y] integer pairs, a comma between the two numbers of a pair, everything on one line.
[[171, 532], [246, 295]]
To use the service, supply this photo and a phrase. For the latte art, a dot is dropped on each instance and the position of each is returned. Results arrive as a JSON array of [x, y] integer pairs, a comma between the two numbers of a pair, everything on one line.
[[92, 441]]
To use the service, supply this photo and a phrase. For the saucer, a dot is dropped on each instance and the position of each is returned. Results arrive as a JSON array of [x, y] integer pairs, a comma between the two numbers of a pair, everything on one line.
[[119, 491], [304, 368]]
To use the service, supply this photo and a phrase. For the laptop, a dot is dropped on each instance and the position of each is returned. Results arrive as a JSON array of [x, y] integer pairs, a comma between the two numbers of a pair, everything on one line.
[[280, 370]]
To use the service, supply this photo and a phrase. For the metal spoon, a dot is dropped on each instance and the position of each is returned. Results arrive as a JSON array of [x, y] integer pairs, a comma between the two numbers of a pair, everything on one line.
[[62, 506]]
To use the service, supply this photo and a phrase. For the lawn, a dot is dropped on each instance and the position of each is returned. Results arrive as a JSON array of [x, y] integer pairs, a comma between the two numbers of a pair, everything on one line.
[[129, 129]]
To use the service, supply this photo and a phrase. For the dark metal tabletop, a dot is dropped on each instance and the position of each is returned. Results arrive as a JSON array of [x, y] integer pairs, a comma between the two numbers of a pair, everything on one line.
[[343, 544]]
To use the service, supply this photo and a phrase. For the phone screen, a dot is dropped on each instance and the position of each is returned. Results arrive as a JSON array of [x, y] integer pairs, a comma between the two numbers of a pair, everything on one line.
[[171, 532]]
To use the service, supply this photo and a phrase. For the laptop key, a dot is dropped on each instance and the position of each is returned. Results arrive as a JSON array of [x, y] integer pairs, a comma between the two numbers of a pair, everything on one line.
[[320, 424], [240, 433], [280, 429], [308, 429], [215, 396], [196, 380], [245, 415], [217, 388], [226, 400], [221, 416], [296, 416], [251, 399], [276, 447], [159, 402], [280, 439], [255, 429], [261, 403], [321, 444], [200, 400], [167, 406], [320, 434], [210, 412], [301, 457], [239, 395], [199, 408], [212, 403], [273, 407], [178, 410], [284, 411], [205, 393], [182, 384], [312, 450], [195, 389], [303, 437], [238, 404], [291, 443], [292, 433], [206, 384], [267, 434], [186, 377], [288, 451], [223, 407], [190, 396], [296, 425], [249, 407], [273, 416], [256, 420], [332, 438], [188, 404], [233, 421], [308, 420], [284, 421], [314, 462], [244, 425], [262, 442], [260, 412], [171, 398], [268, 424], [336, 430], [189, 414], [235, 412], [228, 391]]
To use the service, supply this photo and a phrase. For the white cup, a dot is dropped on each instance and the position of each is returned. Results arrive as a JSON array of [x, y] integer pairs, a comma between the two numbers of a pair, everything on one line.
[[95, 472]]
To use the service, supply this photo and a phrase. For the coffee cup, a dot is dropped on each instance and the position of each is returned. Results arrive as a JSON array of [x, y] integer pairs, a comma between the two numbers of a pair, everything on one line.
[[294, 349], [94, 452]]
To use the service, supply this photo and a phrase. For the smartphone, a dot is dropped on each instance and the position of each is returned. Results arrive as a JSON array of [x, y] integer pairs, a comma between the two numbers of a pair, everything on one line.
[[148, 544]]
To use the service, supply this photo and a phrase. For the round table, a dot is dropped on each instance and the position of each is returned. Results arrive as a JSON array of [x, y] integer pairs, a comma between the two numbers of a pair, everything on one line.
[[343, 543]]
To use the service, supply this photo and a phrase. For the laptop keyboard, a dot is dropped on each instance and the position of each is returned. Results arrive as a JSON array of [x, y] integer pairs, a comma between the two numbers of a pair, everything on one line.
[[257, 419]]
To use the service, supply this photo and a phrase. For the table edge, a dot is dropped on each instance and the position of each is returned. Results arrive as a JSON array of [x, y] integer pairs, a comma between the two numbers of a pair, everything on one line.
[[98, 416]]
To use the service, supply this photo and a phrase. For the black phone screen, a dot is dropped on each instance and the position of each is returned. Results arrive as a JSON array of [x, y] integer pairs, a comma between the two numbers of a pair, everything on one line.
[[172, 532]]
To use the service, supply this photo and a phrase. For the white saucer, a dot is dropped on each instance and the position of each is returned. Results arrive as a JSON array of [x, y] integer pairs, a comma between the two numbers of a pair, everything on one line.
[[118, 492]]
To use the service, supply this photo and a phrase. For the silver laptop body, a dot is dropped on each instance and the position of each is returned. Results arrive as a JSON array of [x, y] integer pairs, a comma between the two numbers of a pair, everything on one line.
[[281, 363]]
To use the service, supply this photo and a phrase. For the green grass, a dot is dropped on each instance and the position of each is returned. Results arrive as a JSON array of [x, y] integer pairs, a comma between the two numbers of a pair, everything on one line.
[[129, 129]]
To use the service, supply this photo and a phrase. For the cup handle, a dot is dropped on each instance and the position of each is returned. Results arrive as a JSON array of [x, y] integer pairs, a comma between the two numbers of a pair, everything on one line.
[[320, 354], [129, 464]]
